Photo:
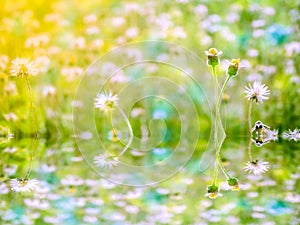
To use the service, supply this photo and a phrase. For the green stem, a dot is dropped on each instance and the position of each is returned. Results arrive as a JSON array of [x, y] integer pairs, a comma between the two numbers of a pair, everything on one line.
[[32, 147], [215, 178], [221, 95], [218, 119], [218, 97], [250, 131], [216, 87], [114, 132], [222, 167], [130, 133]]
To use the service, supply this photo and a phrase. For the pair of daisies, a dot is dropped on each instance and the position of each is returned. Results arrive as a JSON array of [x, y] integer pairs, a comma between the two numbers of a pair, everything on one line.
[[24, 67]]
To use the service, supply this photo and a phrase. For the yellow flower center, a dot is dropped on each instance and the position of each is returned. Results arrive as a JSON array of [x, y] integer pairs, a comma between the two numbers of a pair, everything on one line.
[[23, 182], [235, 188], [213, 195], [235, 62], [72, 189], [109, 103], [23, 69], [114, 137], [213, 51]]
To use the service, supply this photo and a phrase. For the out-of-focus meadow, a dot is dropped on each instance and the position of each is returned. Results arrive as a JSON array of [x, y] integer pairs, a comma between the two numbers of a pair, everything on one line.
[[65, 37]]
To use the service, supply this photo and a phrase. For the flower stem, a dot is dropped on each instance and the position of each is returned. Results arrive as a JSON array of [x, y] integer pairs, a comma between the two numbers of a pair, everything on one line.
[[250, 131], [222, 167], [215, 178], [130, 133], [218, 145], [34, 129], [216, 87], [221, 95], [218, 119]]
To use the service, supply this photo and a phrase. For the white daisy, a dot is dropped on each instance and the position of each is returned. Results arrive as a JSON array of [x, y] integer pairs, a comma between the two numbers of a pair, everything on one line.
[[24, 184], [257, 167], [23, 67], [106, 161], [105, 102], [257, 92], [292, 135]]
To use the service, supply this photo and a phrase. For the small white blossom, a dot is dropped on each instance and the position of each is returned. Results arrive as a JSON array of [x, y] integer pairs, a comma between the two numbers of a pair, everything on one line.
[[3, 62], [37, 41], [72, 181], [292, 48], [292, 135], [48, 91], [257, 92], [3, 188], [24, 185], [105, 102], [23, 67], [272, 135], [71, 73], [257, 167], [106, 161]]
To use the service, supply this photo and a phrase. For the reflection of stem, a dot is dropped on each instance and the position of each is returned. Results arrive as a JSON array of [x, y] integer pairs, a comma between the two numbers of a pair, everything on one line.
[[217, 123], [214, 182], [32, 147], [220, 96], [144, 133], [222, 167], [216, 87], [130, 132], [250, 130], [114, 132]]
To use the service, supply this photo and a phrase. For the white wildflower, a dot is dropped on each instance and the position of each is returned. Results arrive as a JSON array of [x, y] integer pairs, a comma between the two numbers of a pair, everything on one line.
[[257, 92], [24, 184], [23, 67], [272, 135], [106, 161], [105, 102], [257, 167]]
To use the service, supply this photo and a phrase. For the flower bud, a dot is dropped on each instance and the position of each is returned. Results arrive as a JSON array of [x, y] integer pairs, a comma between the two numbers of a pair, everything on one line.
[[233, 67], [213, 191], [233, 184], [213, 57]]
